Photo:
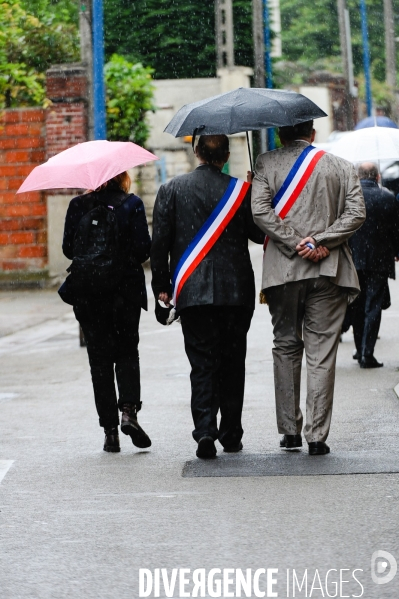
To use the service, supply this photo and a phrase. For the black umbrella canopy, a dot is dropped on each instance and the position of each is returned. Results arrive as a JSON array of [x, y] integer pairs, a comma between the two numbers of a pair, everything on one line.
[[243, 109]]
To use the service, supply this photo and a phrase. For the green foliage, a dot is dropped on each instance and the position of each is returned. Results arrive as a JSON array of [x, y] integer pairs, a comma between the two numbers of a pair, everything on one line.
[[129, 95], [382, 94], [20, 86], [176, 37], [28, 46], [54, 11], [310, 32]]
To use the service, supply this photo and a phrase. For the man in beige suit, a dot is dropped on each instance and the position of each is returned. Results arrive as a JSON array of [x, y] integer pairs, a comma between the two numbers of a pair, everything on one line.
[[308, 278]]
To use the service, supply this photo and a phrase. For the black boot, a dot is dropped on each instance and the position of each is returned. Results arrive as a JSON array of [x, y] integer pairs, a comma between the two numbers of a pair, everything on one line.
[[130, 426], [370, 362], [111, 441]]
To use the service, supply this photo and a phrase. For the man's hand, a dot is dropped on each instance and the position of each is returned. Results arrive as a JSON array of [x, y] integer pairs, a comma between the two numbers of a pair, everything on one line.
[[322, 252], [307, 253], [164, 297], [250, 176]]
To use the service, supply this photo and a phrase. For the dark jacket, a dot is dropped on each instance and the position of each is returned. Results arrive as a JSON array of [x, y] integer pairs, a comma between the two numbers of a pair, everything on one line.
[[225, 275], [375, 245], [134, 239]]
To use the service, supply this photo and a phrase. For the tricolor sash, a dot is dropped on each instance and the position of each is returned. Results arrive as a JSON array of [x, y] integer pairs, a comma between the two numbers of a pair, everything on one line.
[[295, 181], [209, 233]]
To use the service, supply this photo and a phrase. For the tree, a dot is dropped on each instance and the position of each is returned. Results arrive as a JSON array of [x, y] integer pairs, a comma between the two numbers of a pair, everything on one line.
[[28, 46], [129, 97], [310, 32], [55, 11], [176, 38]]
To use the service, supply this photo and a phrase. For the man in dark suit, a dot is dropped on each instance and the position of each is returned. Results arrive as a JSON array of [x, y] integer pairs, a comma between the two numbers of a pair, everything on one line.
[[374, 248], [216, 303]]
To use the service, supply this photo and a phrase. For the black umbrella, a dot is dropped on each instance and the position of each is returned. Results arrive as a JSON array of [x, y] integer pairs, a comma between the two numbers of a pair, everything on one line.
[[243, 109]]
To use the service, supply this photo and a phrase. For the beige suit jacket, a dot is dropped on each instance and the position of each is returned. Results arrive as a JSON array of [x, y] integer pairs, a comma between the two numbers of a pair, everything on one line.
[[330, 209]]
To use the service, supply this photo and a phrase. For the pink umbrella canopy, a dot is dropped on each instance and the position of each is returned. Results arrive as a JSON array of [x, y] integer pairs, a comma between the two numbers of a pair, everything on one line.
[[86, 166]]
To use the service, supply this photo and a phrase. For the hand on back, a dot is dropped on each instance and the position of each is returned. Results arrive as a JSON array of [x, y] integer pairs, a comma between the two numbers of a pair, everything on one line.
[[315, 254]]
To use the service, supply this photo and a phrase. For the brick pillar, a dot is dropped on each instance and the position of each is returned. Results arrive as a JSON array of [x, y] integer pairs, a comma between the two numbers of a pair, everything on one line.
[[66, 120], [23, 242], [66, 126]]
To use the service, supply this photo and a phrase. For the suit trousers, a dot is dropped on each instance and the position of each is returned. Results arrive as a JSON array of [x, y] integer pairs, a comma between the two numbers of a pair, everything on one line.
[[365, 312], [306, 314], [215, 339], [111, 330]]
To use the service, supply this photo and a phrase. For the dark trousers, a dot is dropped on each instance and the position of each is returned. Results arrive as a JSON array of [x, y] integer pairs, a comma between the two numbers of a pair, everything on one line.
[[111, 330], [215, 339], [365, 312]]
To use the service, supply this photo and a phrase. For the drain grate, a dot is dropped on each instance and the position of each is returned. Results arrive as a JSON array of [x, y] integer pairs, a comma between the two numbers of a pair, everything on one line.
[[294, 464]]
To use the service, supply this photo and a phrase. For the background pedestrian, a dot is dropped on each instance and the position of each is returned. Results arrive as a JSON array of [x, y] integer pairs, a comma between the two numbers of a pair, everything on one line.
[[374, 248]]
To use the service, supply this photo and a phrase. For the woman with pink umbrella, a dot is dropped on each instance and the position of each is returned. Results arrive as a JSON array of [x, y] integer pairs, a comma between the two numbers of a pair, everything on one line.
[[106, 236]]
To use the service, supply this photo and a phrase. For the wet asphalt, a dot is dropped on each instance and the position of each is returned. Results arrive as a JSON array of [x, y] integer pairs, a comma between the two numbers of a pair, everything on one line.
[[76, 522]]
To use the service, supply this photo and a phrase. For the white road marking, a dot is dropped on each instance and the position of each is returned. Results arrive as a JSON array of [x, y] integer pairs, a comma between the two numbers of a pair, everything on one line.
[[7, 396], [5, 465]]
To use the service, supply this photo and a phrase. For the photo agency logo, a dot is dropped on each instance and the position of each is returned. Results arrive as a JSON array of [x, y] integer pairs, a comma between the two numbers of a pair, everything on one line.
[[383, 567], [267, 582]]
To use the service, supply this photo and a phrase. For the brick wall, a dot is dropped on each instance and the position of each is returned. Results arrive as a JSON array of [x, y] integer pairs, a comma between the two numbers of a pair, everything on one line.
[[27, 138], [23, 241], [66, 119]]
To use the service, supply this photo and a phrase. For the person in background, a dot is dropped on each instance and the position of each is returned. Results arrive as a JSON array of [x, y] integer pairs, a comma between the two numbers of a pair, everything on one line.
[[374, 248], [308, 274], [217, 301], [106, 236]]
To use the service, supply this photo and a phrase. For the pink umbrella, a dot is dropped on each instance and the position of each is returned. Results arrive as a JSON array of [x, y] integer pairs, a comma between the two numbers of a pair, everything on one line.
[[86, 166]]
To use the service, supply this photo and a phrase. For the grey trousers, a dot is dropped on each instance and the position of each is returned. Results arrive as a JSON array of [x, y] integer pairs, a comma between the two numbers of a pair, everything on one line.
[[306, 314]]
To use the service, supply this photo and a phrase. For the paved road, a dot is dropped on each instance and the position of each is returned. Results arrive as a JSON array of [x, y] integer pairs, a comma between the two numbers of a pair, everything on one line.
[[76, 522]]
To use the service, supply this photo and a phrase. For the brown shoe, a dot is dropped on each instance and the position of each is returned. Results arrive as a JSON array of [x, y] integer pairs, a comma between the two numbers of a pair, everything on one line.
[[111, 441], [130, 426]]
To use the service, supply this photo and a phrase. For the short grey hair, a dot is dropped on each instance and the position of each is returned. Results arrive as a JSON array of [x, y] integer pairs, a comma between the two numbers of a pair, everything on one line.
[[368, 170]]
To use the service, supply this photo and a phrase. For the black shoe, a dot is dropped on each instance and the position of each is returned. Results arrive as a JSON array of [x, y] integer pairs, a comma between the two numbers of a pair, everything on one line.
[[356, 355], [370, 362], [130, 426], [111, 441], [233, 448], [291, 442], [206, 448], [318, 448]]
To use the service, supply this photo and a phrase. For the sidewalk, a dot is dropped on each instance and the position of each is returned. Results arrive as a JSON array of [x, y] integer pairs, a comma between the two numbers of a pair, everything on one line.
[[78, 522]]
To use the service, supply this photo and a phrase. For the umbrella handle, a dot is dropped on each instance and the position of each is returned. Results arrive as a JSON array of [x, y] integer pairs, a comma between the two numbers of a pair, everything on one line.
[[195, 135], [249, 151]]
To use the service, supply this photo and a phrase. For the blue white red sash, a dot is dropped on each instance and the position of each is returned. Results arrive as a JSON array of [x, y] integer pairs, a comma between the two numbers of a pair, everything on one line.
[[295, 181], [209, 233]]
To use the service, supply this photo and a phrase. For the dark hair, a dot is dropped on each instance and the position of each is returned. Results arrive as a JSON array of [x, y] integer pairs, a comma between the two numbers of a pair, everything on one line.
[[300, 130], [368, 170], [213, 148]]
